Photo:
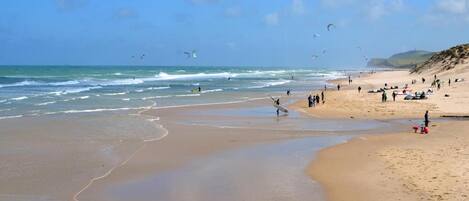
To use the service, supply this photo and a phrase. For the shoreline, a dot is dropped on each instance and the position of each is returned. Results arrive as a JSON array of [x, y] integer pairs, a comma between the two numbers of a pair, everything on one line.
[[143, 165]]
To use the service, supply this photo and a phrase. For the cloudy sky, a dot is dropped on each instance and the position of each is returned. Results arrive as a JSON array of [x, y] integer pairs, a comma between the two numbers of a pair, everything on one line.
[[225, 32]]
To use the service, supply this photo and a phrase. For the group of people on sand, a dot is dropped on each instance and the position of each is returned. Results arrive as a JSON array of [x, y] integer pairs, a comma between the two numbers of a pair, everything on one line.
[[314, 100]]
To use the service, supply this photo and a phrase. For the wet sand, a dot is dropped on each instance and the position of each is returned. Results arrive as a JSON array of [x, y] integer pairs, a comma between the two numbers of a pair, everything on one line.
[[190, 148], [50, 157]]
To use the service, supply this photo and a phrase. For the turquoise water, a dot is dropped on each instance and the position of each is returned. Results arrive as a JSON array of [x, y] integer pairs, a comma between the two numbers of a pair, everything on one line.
[[44, 90]]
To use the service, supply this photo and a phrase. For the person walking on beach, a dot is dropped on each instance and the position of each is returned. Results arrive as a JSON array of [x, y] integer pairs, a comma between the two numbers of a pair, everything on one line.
[[384, 97], [449, 82], [423, 80], [359, 89], [310, 100], [394, 94], [317, 99], [322, 97], [438, 86], [338, 87], [277, 102], [288, 92], [426, 119]]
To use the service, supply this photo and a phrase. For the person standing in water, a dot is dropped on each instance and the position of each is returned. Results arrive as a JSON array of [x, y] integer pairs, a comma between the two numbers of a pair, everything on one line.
[[200, 89], [288, 92], [426, 119]]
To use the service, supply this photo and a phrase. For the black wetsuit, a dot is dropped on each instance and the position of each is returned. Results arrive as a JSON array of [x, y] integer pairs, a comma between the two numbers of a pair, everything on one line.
[[426, 119]]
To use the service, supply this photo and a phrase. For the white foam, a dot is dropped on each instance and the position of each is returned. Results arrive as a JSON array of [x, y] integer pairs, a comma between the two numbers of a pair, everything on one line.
[[73, 91], [157, 88], [18, 84], [155, 97], [187, 95], [11, 117], [115, 94], [165, 76], [71, 82], [211, 90], [121, 82], [45, 103], [83, 97], [269, 84], [19, 98], [34, 83]]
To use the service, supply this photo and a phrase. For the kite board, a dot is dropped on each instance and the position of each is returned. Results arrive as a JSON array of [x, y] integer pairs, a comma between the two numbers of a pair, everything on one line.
[[279, 107]]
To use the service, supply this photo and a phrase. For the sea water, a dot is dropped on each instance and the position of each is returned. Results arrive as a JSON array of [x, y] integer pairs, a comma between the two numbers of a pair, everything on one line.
[[46, 90]]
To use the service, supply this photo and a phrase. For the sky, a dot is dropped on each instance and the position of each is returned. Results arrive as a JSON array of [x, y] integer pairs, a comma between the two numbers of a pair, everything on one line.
[[225, 32]]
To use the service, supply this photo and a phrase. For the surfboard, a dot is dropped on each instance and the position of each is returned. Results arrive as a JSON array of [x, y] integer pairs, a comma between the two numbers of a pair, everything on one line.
[[281, 108]]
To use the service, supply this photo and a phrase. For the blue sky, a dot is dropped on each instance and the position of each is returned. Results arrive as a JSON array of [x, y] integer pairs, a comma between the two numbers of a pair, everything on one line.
[[225, 32]]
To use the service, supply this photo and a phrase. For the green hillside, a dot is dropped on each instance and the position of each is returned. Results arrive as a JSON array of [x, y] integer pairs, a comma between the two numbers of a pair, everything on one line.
[[402, 60]]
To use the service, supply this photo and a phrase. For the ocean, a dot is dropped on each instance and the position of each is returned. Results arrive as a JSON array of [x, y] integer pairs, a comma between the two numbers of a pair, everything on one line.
[[47, 90]]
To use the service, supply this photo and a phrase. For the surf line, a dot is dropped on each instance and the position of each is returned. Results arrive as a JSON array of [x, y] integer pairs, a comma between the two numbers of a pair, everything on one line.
[[75, 197]]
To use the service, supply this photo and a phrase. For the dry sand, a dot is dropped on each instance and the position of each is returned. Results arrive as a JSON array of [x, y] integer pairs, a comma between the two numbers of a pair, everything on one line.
[[348, 103], [401, 166]]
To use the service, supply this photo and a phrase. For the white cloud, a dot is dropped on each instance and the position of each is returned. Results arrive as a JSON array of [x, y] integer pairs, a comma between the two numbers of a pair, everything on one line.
[[124, 13], [377, 9], [231, 45], [445, 12], [453, 6], [271, 19], [203, 1], [233, 11], [70, 4], [336, 3], [298, 6]]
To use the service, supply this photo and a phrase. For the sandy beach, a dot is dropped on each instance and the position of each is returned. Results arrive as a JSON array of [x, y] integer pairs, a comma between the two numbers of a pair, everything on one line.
[[403, 165], [188, 141]]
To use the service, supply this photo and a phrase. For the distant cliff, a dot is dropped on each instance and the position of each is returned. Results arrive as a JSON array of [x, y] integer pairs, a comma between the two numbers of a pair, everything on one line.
[[455, 57], [402, 60]]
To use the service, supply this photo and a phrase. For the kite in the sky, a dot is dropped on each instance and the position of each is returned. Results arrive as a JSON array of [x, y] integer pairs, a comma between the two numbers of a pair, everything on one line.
[[330, 27], [314, 56], [191, 55], [316, 35]]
